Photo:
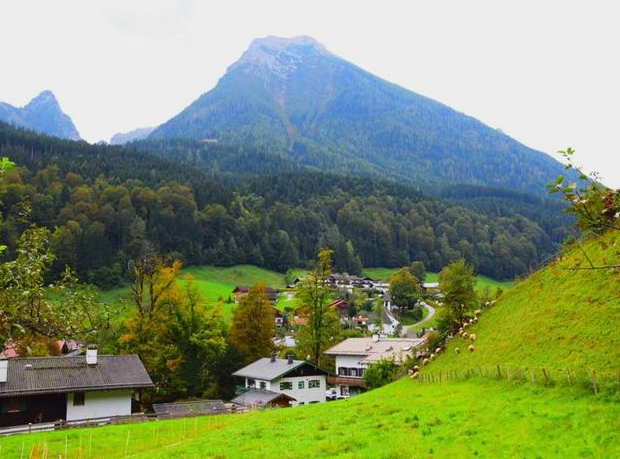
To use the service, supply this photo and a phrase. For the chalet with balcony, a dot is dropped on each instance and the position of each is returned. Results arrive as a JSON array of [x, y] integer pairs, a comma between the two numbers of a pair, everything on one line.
[[355, 355]]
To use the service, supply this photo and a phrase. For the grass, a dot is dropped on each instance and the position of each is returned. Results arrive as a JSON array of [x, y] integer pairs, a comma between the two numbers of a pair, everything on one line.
[[556, 319], [384, 274], [471, 418], [214, 283]]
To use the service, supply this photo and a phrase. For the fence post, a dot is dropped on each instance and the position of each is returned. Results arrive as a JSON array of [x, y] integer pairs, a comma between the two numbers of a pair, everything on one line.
[[439, 375], [534, 376], [546, 376], [499, 372], [594, 383], [569, 378]]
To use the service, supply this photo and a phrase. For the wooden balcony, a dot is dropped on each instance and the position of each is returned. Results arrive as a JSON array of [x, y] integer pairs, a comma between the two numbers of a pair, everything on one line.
[[345, 381]]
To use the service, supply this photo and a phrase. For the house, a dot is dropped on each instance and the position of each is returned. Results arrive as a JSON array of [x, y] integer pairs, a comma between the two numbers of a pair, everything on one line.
[[46, 389], [354, 355], [430, 285], [341, 305], [301, 381], [241, 290]]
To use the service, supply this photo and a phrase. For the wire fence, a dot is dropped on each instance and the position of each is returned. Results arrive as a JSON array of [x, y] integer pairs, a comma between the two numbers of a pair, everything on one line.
[[116, 441], [590, 380]]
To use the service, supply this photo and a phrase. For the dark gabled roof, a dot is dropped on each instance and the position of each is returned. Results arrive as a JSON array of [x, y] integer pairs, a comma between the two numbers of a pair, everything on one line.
[[197, 407], [45, 375], [267, 370], [259, 397]]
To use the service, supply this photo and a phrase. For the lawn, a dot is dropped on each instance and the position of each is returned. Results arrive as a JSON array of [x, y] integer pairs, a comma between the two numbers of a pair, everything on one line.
[[482, 418]]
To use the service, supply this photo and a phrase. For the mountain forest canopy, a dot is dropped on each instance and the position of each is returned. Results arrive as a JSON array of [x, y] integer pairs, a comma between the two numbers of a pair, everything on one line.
[[105, 202]]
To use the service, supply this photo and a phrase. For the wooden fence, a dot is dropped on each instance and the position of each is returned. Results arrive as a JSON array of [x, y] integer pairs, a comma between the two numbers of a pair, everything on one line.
[[592, 380]]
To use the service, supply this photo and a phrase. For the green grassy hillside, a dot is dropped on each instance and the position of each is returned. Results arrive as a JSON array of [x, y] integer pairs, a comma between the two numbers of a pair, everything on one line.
[[473, 418], [556, 319], [213, 283]]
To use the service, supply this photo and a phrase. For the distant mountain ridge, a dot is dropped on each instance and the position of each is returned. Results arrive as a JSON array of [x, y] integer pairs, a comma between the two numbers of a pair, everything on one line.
[[294, 97], [42, 114], [121, 138]]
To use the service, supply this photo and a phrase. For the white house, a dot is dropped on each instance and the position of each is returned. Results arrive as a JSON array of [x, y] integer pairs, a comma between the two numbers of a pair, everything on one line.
[[268, 378], [45, 389], [355, 355]]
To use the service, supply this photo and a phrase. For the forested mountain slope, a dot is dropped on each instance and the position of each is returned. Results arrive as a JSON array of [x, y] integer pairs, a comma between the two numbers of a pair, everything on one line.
[[295, 98], [105, 202]]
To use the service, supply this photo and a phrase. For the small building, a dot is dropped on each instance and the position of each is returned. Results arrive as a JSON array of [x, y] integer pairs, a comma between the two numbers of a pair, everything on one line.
[[355, 355], [341, 305], [192, 408], [260, 398], [47, 389], [241, 290], [302, 381]]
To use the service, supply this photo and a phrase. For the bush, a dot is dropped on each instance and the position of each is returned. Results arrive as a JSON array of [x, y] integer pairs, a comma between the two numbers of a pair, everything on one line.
[[380, 373]]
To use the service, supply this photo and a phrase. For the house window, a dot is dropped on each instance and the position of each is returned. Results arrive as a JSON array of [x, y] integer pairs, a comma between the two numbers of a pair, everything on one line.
[[263, 385], [286, 385], [313, 383], [300, 385], [79, 398], [13, 405], [251, 383]]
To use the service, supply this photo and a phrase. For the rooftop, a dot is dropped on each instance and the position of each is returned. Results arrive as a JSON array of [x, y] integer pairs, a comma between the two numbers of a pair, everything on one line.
[[44, 375], [372, 350], [259, 397], [268, 370]]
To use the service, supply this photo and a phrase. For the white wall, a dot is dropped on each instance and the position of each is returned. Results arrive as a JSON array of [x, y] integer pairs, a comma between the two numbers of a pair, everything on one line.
[[100, 404], [305, 395], [349, 361]]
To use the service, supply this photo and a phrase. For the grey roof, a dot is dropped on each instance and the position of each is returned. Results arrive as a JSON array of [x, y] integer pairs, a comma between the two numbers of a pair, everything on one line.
[[258, 397], [371, 351], [44, 375], [266, 369], [188, 408]]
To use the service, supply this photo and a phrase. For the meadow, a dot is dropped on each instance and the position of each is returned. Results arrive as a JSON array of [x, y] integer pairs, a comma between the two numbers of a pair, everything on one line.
[[481, 418]]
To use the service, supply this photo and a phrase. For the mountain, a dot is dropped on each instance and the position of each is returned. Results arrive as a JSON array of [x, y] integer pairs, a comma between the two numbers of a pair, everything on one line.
[[42, 114], [121, 138], [296, 99]]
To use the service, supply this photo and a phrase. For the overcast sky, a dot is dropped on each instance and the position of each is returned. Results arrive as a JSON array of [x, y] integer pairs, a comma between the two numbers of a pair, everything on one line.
[[546, 73]]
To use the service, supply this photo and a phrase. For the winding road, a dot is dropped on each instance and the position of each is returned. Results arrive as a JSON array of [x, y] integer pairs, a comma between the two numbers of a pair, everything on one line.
[[412, 333]]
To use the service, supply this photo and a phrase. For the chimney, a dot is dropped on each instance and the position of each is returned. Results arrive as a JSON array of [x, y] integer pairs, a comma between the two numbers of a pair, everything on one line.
[[375, 338], [91, 355], [290, 359], [273, 357], [4, 370]]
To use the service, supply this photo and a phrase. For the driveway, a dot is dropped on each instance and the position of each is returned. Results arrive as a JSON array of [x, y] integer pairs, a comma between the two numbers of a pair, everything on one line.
[[412, 333]]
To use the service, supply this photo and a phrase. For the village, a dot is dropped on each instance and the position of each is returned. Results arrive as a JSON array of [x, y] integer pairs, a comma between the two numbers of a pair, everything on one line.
[[81, 387]]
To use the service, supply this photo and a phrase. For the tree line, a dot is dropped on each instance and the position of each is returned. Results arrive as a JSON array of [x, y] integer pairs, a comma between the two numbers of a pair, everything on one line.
[[102, 203]]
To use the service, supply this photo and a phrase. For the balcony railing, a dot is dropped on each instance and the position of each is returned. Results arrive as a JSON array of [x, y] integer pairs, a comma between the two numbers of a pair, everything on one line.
[[346, 381]]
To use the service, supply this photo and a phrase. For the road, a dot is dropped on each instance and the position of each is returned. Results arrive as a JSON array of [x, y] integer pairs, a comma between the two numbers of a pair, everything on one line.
[[412, 333]]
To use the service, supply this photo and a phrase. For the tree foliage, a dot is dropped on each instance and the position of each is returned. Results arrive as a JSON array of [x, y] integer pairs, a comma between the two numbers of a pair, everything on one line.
[[323, 328], [457, 283], [405, 290], [380, 373], [253, 324]]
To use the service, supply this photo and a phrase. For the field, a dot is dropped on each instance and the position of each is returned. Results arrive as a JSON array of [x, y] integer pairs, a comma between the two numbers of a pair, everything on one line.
[[214, 283], [384, 274], [472, 418]]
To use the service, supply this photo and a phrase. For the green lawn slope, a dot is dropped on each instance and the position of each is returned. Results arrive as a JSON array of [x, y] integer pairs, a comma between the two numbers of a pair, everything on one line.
[[558, 319], [472, 418]]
